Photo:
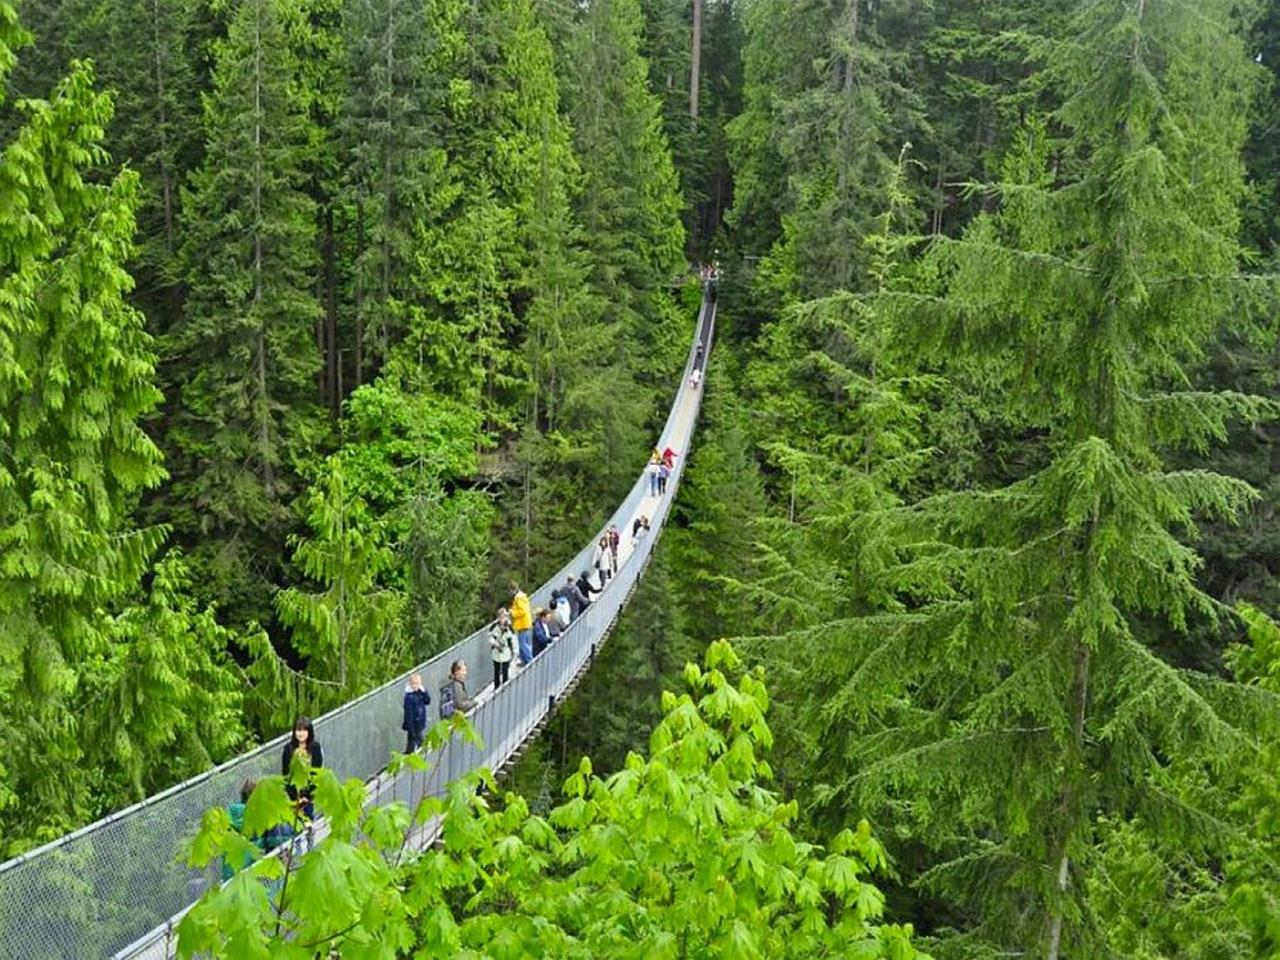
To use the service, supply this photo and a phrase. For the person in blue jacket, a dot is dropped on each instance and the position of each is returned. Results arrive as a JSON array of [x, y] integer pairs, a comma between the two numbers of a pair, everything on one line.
[[415, 712], [541, 631]]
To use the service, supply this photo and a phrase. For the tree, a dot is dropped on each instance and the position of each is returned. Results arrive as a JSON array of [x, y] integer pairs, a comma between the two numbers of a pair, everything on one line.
[[349, 631], [167, 703], [686, 853], [1008, 691], [76, 375], [146, 54], [826, 110], [409, 456], [629, 207], [244, 359], [395, 166]]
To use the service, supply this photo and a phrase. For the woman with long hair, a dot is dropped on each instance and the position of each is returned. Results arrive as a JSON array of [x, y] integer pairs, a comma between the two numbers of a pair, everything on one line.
[[302, 743]]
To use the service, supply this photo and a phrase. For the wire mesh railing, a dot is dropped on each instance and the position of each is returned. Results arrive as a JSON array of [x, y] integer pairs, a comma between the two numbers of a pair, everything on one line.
[[115, 887]]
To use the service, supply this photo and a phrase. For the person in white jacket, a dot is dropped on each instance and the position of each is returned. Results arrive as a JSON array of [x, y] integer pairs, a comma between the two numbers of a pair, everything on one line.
[[603, 561], [502, 647], [560, 609]]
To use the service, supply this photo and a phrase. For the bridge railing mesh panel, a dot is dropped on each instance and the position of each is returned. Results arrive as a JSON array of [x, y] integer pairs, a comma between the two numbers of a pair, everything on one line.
[[113, 888]]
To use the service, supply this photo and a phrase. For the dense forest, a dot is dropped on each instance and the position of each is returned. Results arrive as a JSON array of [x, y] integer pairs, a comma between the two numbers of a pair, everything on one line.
[[322, 319]]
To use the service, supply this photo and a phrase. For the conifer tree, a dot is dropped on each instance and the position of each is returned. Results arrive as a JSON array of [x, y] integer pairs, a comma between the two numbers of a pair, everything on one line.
[[395, 166], [244, 358], [824, 113], [1010, 693], [350, 631], [146, 54], [76, 375], [629, 207]]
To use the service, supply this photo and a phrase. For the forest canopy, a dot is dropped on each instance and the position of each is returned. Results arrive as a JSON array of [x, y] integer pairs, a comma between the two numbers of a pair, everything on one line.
[[320, 320]]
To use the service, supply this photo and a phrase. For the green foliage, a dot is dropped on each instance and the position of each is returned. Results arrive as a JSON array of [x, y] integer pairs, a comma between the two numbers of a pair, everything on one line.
[[629, 206], [244, 414], [109, 690], [349, 632], [168, 702], [1253, 870], [991, 683], [145, 52], [822, 98], [408, 455], [76, 373], [685, 853], [395, 166]]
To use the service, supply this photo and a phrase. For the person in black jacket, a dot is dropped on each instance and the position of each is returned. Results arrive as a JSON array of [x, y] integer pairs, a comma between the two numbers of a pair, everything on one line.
[[303, 743], [415, 712], [578, 601], [586, 587]]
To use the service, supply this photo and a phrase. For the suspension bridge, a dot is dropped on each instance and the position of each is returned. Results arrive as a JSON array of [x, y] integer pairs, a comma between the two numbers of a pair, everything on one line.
[[118, 887]]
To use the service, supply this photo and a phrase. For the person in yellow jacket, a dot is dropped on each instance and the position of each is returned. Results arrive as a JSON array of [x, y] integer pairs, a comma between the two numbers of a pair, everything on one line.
[[522, 623]]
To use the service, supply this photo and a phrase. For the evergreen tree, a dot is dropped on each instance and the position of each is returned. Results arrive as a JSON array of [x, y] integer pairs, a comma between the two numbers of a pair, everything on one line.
[[395, 166], [244, 359], [629, 207], [410, 458], [146, 54], [76, 375], [350, 631], [168, 702], [824, 115], [1008, 696]]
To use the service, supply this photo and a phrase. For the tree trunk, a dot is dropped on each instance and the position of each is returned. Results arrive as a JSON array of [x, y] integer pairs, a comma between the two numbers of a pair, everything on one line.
[[695, 61], [332, 393], [166, 173], [360, 298], [264, 407], [940, 197], [1078, 707], [1080, 696]]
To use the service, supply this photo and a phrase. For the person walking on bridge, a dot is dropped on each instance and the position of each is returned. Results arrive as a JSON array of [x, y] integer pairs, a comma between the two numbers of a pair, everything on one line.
[[561, 609], [415, 713], [304, 745], [578, 601], [453, 696], [522, 623], [502, 647], [586, 587], [601, 561], [541, 631]]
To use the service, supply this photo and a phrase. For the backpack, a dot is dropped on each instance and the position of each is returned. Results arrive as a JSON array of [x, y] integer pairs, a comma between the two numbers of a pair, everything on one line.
[[447, 705]]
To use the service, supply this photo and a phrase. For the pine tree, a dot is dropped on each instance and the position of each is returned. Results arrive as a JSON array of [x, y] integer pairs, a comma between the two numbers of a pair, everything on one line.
[[826, 111], [395, 166], [244, 358], [76, 375], [351, 630], [1008, 695], [629, 207], [146, 54]]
